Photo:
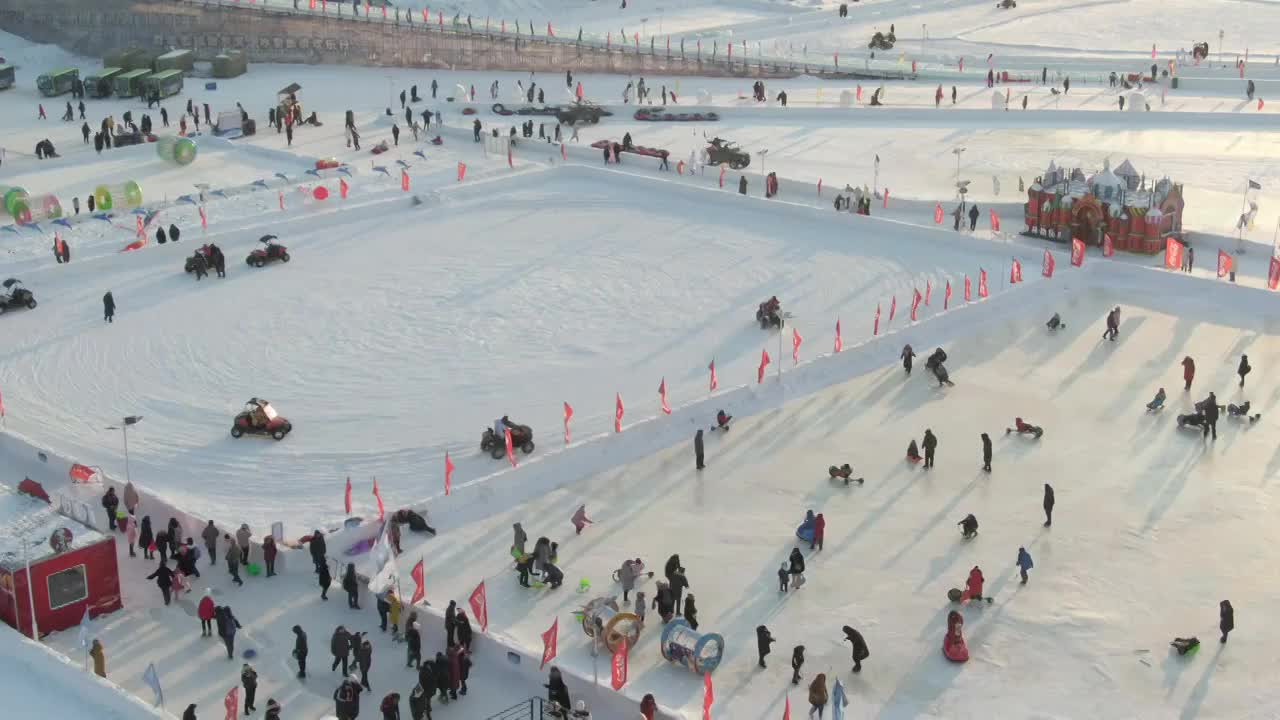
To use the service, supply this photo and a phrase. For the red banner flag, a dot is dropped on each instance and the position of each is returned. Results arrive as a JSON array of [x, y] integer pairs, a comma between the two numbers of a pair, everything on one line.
[[448, 473], [617, 412], [511, 161], [886, 198], [1108, 245], [231, 704], [1260, 104], [786, 709], [859, 93], [928, 291], [462, 171], [1077, 252], [1273, 273], [419, 583], [404, 179], [982, 283], [839, 345], [968, 288], [721, 176], [1046, 267], [893, 307], [426, 15], [511, 453], [995, 221], [937, 214], [875, 329], [378, 496], [731, 51], [795, 346], [1173, 254], [1153, 51], [346, 499], [440, 17], [313, 4], [204, 219], [549, 639], [662, 393], [568, 413], [619, 669], [552, 33], [564, 154], [764, 361], [479, 602], [819, 187], [281, 194], [1015, 270], [1225, 262], [946, 296], [1, 405], [384, 12], [708, 696], [714, 383]]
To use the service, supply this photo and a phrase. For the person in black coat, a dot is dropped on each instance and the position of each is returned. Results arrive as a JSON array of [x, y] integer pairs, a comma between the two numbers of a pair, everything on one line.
[[464, 631], [1244, 368], [742, 185], [346, 700], [986, 452], [352, 586], [164, 580], [419, 702], [364, 658], [697, 450], [450, 621], [860, 651], [413, 639], [300, 650], [1210, 405], [340, 648], [160, 236], [764, 639], [1048, 505], [690, 611], [227, 627], [797, 662], [557, 691], [1226, 618], [679, 583], [173, 233], [441, 669], [973, 218], [325, 581], [145, 537], [907, 355], [930, 444], [427, 680], [796, 569], [317, 548], [108, 303]]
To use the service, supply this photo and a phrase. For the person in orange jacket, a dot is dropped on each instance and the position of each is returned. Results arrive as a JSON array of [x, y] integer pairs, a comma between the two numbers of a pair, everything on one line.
[[1188, 371]]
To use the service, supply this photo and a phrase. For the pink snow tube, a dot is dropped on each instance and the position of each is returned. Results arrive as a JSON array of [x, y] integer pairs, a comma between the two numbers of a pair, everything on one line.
[[953, 646]]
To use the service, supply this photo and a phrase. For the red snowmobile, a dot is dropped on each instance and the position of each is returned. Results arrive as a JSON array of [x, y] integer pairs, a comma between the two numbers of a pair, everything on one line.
[[268, 252], [259, 418]]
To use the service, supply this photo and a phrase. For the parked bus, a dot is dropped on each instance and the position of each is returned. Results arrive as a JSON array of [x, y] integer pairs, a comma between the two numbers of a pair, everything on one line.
[[58, 82], [102, 83], [129, 84], [7, 75], [183, 60], [168, 83]]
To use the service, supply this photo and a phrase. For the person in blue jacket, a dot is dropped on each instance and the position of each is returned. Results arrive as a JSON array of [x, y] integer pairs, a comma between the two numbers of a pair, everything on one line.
[[1024, 563]]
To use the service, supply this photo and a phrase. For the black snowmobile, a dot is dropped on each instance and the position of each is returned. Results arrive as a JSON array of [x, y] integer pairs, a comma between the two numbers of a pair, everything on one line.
[[722, 151], [14, 295], [496, 445], [881, 41]]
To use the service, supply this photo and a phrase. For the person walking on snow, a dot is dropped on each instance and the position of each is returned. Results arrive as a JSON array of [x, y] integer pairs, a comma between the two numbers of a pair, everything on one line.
[[1188, 371], [210, 537], [698, 456], [1226, 619], [227, 627], [518, 540], [164, 580], [1048, 505], [318, 550], [819, 530], [110, 501], [973, 217], [249, 679], [907, 355], [937, 98], [860, 651], [146, 538], [1113, 326], [797, 662], [242, 539], [300, 651], [325, 581], [352, 586], [233, 560], [986, 452], [269, 554], [784, 577], [340, 648], [464, 631], [580, 519], [364, 658], [973, 586], [1244, 368], [930, 445], [1024, 563], [205, 611], [1210, 405], [796, 567], [764, 639], [99, 655], [818, 695]]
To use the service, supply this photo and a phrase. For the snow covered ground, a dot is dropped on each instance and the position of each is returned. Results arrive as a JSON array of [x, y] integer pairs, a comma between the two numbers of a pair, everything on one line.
[[406, 322]]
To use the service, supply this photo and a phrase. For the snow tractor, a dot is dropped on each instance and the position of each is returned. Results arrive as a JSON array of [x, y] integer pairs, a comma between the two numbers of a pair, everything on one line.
[[583, 112], [722, 151], [259, 418], [14, 295], [496, 444], [268, 252], [881, 41], [1006, 4]]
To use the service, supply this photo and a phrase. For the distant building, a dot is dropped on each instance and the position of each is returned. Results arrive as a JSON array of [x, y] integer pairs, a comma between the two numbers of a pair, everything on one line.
[[1139, 216], [70, 565]]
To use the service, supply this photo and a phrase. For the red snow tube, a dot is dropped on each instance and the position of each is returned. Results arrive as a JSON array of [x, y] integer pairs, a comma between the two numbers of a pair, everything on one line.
[[136, 244], [327, 164], [953, 645]]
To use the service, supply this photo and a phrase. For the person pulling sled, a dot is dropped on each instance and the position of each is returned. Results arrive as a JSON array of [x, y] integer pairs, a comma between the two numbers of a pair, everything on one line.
[[935, 365], [844, 472], [1025, 428], [1186, 646], [722, 421], [1055, 323]]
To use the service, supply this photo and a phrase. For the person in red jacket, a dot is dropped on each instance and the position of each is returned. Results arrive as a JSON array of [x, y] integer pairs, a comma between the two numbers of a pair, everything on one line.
[[1188, 370], [819, 529], [205, 612], [455, 670], [973, 586], [648, 707]]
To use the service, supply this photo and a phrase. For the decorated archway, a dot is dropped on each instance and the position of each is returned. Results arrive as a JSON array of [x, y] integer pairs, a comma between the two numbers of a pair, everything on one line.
[[1086, 218]]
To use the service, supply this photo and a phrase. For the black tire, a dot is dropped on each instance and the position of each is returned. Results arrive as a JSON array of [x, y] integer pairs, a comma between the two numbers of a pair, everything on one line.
[[497, 452], [594, 119], [527, 447], [279, 434], [260, 262], [31, 304], [236, 432], [249, 261], [284, 257]]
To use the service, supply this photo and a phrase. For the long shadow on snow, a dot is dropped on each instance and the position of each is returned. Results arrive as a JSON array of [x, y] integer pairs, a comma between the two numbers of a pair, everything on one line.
[[929, 526], [1096, 358]]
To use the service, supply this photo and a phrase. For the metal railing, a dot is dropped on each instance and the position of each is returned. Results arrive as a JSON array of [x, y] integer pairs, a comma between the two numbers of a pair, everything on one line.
[[531, 709]]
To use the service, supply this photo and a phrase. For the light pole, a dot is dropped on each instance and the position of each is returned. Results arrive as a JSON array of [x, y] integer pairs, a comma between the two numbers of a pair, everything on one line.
[[390, 92], [959, 196], [124, 428], [924, 35], [1220, 36]]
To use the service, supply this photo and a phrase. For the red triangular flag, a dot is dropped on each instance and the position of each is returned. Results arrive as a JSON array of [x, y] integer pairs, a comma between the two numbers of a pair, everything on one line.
[[764, 361], [343, 188], [618, 674], [875, 330], [1077, 252], [928, 291], [893, 308], [946, 296], [281, 194], [916, 297], [968, 288], [886, 198], [937, 214], [839, 342], [1047, 270], [714, 383], [1225, 262], [786, 710], [982, 283], [346, 501], [549, 639], [1015, 271], [1108, 245], [795, 346], [462, 171], [479, 602], [448, 472], [708, 693], [1273, 273], [995, 221], [662, 392], [204, 219], [404, 175], [378, 496], [568, 413], [511, 454], [721, 176], [564, 154], [419, 583], [617, 412]]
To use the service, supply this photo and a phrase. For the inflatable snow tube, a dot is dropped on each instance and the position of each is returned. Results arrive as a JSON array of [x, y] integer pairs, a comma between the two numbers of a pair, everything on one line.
[[501, 109], [956, 652], [125, 195], [699, 653], [29, 210], [11, 197], [179, 150], [327, 164]]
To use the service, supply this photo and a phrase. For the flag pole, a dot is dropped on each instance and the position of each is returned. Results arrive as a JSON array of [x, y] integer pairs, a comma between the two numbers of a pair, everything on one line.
[[778, 361], [1244, 199]]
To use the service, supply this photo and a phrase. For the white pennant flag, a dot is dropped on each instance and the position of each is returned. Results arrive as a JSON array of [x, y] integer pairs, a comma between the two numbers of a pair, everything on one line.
[[152, 679], [84, 628], [385, 570]]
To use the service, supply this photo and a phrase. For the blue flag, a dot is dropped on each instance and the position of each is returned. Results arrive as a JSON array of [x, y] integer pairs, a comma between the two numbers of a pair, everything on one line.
[[838, 702], [152, 679]]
